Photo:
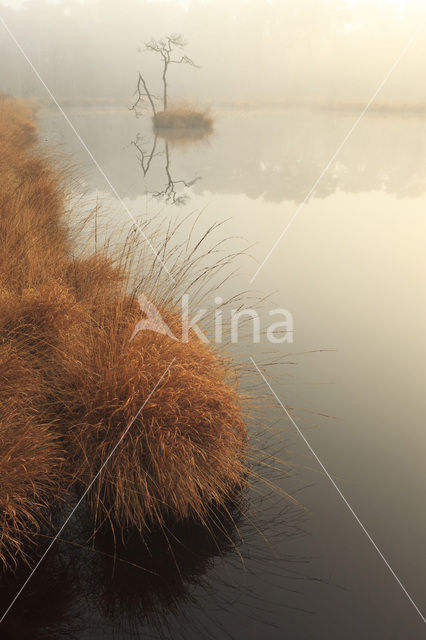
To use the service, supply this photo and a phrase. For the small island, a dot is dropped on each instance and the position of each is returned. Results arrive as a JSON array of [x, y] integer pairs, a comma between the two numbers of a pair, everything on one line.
[[185, 118], [179, 120]]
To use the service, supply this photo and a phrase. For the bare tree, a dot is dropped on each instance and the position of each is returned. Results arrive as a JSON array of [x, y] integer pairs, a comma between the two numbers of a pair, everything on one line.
[[166, 48]]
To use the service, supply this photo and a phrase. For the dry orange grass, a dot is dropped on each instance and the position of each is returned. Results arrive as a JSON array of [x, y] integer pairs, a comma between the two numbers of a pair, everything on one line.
[[186, 447], [34, 239], [71, 381], [33, 245], [31, 457], [17, 126], [31, 464]]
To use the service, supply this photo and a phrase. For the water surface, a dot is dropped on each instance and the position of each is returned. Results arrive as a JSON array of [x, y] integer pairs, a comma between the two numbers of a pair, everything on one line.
[[351, 270]]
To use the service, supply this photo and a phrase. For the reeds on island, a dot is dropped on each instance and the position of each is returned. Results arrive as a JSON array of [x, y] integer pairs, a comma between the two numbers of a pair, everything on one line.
[[183, 117]]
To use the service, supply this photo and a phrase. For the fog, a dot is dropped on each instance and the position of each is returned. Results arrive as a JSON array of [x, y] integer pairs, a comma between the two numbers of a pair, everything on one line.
[[250, 52]]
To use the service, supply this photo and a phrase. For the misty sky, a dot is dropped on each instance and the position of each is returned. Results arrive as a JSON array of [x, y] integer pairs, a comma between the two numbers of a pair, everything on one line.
[[248, 50]]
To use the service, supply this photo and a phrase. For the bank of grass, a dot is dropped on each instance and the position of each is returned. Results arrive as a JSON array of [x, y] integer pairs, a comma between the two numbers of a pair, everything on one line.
[[71, 381], [31, 454]]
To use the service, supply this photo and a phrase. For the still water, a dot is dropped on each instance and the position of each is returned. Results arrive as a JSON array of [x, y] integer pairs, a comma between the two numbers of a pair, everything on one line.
[[351, 269]]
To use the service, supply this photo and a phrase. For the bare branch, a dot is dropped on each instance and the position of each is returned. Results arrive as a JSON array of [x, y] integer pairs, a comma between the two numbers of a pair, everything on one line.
[[185, 60], [141, 94], [176, 40], [144, 157]]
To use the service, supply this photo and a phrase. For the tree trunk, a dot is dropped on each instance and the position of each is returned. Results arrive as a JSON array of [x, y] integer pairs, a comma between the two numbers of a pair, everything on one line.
[[165, 86], [141, 79]]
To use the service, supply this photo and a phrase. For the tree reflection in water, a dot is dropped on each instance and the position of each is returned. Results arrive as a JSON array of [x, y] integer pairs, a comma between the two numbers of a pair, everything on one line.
[[171, 192]]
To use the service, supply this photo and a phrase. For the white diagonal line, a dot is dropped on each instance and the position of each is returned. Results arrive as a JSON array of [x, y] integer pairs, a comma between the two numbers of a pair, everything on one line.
[[95, 162], [300, 433], [86, 491], [336, 153]]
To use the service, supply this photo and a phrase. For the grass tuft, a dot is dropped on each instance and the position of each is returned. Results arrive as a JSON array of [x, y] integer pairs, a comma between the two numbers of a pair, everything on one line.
[[71, 381]]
